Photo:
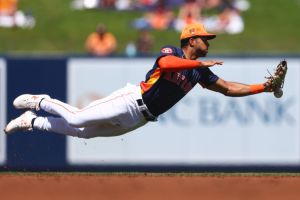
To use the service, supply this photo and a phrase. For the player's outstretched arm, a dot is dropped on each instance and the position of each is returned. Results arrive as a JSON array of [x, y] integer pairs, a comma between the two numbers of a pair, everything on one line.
[[273, 84], [173, 63], [234, 89]]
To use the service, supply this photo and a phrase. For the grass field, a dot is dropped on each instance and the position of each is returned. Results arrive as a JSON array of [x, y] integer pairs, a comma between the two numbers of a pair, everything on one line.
[[272, 27]]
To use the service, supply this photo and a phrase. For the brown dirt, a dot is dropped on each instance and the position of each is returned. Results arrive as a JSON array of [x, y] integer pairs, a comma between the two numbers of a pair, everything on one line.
[[147, 187]]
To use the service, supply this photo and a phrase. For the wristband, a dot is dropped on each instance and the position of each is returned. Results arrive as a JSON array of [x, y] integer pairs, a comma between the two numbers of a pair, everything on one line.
[[257, 88]]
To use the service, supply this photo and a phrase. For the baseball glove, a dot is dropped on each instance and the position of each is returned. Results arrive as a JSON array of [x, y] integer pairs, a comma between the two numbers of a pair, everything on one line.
[[275, 81]]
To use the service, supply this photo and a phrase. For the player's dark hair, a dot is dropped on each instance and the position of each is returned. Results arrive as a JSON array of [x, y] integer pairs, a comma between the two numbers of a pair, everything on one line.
[[185, 41]]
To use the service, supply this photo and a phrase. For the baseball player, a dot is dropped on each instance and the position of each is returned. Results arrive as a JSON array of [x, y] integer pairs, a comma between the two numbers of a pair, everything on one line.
[[175, 72]]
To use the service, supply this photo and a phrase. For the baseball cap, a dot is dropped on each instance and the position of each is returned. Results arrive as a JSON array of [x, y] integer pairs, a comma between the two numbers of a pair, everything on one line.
[[195, 29]]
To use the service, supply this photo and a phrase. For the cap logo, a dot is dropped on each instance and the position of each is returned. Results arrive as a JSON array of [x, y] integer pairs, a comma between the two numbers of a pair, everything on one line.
[[192, 31]]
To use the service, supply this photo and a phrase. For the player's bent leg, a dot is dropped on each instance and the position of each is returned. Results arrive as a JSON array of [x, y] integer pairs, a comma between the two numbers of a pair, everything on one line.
[[56, 125], [119, 109], [21, 123], [114, 115], [102, 130], [64, 105], [74, 118], [61, 126]]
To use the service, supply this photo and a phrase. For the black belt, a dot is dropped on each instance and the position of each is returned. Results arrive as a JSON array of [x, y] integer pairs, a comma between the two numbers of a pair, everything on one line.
[[144, 110]]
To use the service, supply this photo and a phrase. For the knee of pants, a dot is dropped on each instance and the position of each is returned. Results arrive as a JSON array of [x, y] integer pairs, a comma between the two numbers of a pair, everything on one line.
[[80, 133], [85, 136], [76, 120]]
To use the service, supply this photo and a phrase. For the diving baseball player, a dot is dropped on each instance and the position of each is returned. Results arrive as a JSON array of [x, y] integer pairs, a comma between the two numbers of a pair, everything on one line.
[[175, 72]]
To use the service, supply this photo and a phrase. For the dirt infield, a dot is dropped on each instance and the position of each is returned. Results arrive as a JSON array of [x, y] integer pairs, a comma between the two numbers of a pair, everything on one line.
[[146, 187]]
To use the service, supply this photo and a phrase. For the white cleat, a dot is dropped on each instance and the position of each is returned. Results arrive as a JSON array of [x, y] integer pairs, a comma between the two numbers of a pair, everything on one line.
[[29, 101], [21, 123]]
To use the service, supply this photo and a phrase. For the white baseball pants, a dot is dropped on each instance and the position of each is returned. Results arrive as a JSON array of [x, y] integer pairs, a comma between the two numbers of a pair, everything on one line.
[[113, 115]]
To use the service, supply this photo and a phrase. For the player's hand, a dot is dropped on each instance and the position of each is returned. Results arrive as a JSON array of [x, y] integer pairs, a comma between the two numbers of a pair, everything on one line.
[[210, 63]]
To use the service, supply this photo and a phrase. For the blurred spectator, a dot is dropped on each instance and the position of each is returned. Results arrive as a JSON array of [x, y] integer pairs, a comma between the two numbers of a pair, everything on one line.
[[123, 4], [229, 19], [98, 4], [241, 5], [8, 7], [189, 12], [107, 4], [85, 4], [130, 50], [10, 16], [144, 43], [144, 4], [211, 4], [101, 42], [160, 18]]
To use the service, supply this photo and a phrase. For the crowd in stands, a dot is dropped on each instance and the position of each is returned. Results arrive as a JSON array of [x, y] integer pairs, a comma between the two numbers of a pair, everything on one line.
[[227, 20], [159, 15], [121, 4], [11, 16]]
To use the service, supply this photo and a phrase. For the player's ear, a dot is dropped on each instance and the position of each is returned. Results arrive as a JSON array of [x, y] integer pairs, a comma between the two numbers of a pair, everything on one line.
[[191, 42]]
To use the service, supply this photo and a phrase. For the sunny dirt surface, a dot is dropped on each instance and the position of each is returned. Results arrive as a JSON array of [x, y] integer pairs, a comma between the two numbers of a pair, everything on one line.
[[147, 187]]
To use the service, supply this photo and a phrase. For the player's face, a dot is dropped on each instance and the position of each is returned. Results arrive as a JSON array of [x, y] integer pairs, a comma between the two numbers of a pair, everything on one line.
[[201, 46]]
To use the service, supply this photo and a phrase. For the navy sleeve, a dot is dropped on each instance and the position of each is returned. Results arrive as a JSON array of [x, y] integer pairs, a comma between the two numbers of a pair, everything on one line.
[[207, 77]]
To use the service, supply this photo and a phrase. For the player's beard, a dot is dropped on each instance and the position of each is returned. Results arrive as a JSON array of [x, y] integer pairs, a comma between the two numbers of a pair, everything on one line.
[[201, 53]]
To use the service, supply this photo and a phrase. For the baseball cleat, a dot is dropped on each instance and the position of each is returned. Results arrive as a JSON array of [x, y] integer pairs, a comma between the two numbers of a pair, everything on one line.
[[29, 101], [21, 123]]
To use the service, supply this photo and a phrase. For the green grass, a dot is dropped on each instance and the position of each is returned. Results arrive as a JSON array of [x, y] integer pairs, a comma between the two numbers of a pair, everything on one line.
[[272, 27]]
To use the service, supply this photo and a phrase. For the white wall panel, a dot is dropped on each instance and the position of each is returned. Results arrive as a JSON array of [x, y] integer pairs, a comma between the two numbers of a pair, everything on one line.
[[205, 128], [2, 110]]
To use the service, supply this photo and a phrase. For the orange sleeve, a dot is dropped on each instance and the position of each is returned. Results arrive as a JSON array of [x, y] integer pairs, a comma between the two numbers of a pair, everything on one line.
[[173, 63]]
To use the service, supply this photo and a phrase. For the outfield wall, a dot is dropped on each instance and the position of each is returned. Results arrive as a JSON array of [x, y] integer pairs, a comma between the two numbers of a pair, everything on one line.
[[2, 110], [204, 129]]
